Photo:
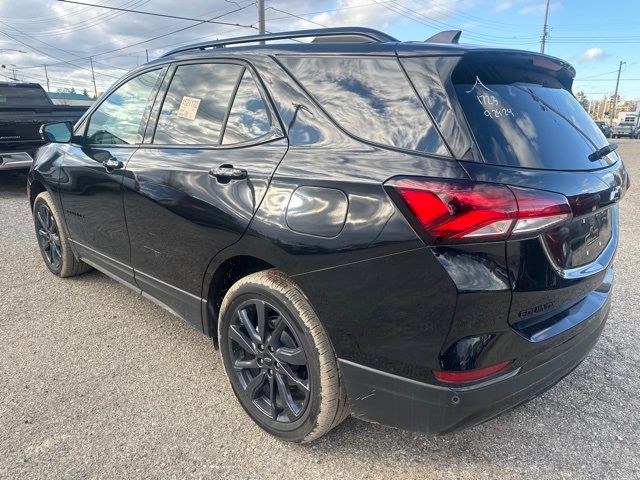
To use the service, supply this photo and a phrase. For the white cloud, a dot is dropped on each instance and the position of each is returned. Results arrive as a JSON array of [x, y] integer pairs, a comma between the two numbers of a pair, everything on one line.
[[503, 5], [592, 54], [536, 7], [63, 31]]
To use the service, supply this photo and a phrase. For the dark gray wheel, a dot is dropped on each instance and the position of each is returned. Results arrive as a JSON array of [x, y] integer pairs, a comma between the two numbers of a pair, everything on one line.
[[278, 358], [53, 240]]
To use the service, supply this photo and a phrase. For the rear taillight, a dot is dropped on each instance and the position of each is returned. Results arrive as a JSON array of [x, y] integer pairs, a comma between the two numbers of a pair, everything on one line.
[[464, 376], [463, 211]]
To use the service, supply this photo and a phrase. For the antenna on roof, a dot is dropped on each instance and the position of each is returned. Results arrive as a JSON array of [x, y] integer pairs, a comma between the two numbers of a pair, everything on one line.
[[448, 36]]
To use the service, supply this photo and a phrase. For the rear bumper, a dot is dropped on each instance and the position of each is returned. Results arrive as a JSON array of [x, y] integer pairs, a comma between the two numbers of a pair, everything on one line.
[[396, 401], [15, 160]]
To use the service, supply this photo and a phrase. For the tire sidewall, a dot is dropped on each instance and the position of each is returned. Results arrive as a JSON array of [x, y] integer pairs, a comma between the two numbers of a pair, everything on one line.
[[298, 430], [43, 199]]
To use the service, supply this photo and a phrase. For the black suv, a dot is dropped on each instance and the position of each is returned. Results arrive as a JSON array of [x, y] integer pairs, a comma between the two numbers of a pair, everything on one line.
[[419, 234]]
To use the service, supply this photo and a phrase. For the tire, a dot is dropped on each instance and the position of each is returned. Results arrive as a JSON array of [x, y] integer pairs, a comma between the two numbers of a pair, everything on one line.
[[291, 352], [53, 239]]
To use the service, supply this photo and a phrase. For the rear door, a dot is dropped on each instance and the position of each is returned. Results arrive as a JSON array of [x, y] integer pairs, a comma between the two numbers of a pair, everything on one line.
[[193, 187], [91, 177]]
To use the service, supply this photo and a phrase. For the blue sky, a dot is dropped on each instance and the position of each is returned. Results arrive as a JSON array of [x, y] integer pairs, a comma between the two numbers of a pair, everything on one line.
[[593, 35]]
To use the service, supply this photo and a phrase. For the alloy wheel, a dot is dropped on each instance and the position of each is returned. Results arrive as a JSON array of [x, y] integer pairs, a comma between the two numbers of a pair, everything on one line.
[[269, 361], [49, 236]]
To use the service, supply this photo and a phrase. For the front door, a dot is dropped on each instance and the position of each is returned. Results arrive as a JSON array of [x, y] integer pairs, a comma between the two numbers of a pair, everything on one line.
[[192, 190], [92, 173]]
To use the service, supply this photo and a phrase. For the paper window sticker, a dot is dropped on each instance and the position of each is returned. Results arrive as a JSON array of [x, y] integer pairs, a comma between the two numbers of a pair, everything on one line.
[[189, 108]]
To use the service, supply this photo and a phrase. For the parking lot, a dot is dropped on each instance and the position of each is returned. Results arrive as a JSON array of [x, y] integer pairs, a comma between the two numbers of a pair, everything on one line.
[[96, 381]]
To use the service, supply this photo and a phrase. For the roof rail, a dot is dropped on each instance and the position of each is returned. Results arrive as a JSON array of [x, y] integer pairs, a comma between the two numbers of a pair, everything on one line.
[[347, 35]]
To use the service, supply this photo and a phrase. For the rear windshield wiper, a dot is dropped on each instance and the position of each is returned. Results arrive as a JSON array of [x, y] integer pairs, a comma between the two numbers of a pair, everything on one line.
[[601, 152], [539, 100]]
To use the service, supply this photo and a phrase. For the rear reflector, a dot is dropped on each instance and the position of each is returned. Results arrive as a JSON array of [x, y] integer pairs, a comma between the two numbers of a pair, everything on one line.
[[463, 211], [469, 375]]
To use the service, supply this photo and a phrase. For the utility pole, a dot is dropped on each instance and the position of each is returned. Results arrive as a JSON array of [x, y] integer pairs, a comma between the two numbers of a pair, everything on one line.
[[46, 75], [93, 76], [14, 74], [615, 96], [545, 29], [147, 52], [261, 28]]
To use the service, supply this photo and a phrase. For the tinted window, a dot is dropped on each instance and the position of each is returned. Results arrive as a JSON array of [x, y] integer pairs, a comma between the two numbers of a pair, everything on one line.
[[119, 118], [424, 73], [196, 104], [23, 96], [370, 98], [248, 118], [531, 126]]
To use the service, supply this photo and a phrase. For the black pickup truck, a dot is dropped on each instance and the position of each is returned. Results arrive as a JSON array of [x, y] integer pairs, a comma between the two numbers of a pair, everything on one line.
[[24, 107]]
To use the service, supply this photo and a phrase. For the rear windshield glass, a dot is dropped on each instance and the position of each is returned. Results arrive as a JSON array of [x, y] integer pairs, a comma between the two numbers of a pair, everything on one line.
[[370, 98], [530, 125], [18, 96]]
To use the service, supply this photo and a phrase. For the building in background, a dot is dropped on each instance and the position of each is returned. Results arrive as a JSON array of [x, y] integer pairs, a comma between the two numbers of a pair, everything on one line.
[[601, 109]]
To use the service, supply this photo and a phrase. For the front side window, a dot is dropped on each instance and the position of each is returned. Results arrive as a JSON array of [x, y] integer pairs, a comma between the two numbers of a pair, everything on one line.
[[196, 104], [248, 118], [370, 98], [119, 118]]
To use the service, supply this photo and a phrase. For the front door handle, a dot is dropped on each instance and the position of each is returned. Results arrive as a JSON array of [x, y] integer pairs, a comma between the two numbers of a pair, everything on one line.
[[112, 164], [228, 172]]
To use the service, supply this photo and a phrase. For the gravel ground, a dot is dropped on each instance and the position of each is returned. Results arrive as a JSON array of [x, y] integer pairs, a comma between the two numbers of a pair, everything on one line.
[[98, 382]]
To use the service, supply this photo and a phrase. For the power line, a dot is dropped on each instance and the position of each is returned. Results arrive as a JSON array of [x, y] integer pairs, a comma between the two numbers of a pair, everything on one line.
[[212, 20], [596, 75], [200, 22], [297, 16], [54, 47], [423, 19], [31, 47]]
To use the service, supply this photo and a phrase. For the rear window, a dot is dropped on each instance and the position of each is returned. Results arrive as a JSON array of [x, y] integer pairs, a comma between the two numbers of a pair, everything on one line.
[[529, 121], [21, 96], [370, 98]]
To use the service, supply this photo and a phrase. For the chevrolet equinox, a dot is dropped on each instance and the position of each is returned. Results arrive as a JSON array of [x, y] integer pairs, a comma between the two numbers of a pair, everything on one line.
[[419, 234]]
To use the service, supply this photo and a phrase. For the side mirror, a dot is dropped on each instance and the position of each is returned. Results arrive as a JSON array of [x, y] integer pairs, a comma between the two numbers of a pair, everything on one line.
[[58, 132]]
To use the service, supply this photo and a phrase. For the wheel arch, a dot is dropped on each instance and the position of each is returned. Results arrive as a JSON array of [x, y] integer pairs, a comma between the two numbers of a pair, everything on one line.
[[225, 275], [36, 187]]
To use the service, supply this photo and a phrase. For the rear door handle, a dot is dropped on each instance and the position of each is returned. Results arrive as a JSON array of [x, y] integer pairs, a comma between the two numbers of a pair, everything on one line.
[[228, 172], [112, 164]]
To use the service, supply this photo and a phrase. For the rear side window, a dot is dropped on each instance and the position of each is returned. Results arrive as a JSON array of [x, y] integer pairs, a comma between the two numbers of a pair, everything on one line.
[[119, 118], [196, 104], [248, 117], [370, 98]]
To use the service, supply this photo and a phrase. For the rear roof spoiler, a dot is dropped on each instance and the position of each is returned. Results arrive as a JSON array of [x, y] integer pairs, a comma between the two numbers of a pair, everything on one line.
[[448, 36]]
